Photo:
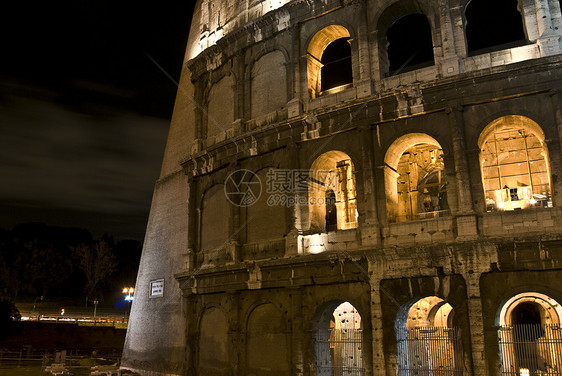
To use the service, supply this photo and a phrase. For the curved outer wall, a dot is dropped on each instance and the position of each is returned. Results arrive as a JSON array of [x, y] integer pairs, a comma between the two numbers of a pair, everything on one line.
[[222, 285], [155, 341]]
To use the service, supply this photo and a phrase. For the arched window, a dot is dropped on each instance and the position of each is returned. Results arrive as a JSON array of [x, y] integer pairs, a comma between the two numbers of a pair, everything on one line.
[[267, 342], [269, 84], [514, 165], [214, 227], [428, 340], [331, 193], [338, 332], [212, 350], [220, 110], [415, 181], [329, 60], [529, 335], [410, 45], [336, 65], [493, 25]]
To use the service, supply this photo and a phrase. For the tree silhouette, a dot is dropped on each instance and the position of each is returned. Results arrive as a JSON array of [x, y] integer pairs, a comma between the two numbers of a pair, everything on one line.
[[98, 262]]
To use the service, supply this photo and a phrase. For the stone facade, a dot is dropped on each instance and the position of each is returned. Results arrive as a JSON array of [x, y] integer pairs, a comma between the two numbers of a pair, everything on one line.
[[444, 177]]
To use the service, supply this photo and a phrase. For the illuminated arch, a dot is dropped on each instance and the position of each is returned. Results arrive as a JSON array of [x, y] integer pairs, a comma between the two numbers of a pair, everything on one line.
[[318, 44], [332, 172], [514, 164], [427, 339], [415, 182], [552, 309], [529, 334], [338, 337]]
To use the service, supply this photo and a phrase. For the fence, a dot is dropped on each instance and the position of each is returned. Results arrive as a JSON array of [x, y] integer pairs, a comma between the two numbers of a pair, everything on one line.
[[339, 352], [531, 349], [430, 351]]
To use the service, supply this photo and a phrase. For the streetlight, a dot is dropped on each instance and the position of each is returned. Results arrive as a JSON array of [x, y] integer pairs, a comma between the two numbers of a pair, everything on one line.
[[129, 291]]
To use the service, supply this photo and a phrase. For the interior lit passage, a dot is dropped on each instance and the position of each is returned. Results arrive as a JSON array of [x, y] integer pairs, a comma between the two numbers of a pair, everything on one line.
[[410, 45], [415, 179], [515, 165], [339, 342], [329, 60], [530, 335], [493, 25], [428, 339], [332, 199]]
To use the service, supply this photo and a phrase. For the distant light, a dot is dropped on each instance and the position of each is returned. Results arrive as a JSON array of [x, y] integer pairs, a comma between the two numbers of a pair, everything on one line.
[[129, 298], [533, 201]]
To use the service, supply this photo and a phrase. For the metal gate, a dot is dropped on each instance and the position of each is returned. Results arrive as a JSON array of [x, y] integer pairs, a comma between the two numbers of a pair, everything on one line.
[[430, 351], [530, 349], [339, 352]]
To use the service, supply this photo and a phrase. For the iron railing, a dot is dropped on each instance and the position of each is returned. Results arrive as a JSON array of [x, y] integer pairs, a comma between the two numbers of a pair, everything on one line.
[[531, 349], [339, 352], [430, 351]]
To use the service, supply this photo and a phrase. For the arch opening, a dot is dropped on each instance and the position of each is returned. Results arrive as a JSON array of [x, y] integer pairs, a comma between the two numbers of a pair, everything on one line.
[[415, 179], [493, 25], [530, 334], [428, 338], [338, 341], [336, 65], [267, 342], [514, 165], [410, 45], [329, 60], [332, 195]]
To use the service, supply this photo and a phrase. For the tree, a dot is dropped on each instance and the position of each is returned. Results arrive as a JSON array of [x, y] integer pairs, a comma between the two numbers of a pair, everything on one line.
[[98, 262]]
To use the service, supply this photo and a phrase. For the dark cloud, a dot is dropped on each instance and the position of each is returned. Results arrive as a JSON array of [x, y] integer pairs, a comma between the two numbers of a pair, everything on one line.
[[53, 158], [84, 112]]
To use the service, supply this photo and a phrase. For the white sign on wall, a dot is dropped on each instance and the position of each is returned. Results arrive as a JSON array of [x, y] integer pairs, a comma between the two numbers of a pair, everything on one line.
[[156, 288]]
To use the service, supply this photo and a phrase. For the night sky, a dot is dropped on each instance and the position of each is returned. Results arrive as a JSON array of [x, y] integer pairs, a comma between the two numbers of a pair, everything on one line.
[[84, 113]]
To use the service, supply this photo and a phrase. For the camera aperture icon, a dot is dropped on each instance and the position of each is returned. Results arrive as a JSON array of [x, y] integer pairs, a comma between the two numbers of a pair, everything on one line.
[[243, 188]]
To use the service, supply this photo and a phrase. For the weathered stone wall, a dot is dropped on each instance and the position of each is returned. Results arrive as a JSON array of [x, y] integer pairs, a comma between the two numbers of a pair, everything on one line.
[[256, 283]]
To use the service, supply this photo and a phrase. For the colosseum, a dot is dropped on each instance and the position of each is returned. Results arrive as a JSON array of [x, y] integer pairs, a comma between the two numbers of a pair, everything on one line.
[[359, 187]]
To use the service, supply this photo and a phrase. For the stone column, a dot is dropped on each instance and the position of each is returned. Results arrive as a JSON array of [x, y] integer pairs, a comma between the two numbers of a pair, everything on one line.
[[449, 62], [364, 87], [192, 335], [233, 247], [379, 366], [295, 104], [465, 216], [556, 98], [544, 21], [474, 304], [235, 334], [549, 42], [368, 220], [298, 332]]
